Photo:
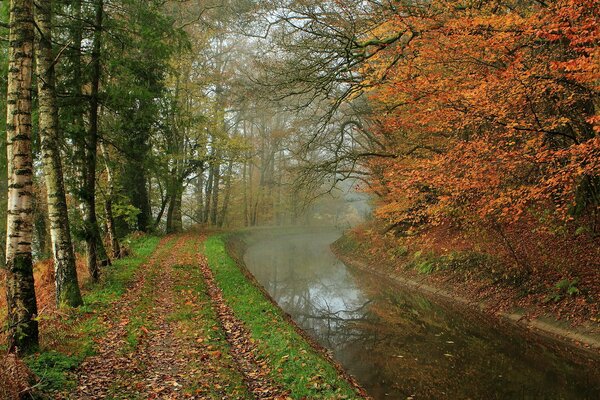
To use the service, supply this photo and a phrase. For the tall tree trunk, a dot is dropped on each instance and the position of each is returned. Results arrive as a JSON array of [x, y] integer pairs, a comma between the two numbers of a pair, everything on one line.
[[170, 209], [135, 182], [251, 192], [245, 191], [110, 220], [209, 188], [41, 244], [214, 207], [96, 253], [67, 287], [165, 201], [199, 196], [20, 288], [227, 192], [174, 193], [177, 219]]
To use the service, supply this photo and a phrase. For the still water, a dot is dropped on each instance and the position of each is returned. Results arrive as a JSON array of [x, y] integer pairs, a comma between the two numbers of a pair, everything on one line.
[[400, 344]]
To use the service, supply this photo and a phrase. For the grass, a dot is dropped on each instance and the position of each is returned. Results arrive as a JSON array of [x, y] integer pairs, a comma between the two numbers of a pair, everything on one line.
[[71, 338], [196, 320], [294, 363]]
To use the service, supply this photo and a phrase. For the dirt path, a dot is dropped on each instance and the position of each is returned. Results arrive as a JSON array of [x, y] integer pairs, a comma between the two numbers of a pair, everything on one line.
[[172, 337], [243, 349]]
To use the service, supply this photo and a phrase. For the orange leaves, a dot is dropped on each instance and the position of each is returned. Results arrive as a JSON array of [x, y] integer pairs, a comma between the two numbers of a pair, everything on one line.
[[493, 112]]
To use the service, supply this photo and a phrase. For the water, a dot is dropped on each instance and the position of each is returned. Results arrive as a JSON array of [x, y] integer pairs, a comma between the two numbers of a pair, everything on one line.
[[400, 344]]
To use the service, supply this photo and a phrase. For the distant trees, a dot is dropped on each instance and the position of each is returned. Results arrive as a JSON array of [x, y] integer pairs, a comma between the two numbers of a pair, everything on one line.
[[479, 115]]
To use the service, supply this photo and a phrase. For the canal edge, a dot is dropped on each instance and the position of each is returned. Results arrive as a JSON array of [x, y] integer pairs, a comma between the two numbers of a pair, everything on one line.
[[518, 320], [235, 247]]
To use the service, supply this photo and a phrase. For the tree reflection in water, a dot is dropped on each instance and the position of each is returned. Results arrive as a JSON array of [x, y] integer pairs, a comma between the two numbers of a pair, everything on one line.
[[400, 344]]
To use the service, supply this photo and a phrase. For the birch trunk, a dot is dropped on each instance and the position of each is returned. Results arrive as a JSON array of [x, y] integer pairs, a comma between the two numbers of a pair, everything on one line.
[[20, 288], [67, 287]]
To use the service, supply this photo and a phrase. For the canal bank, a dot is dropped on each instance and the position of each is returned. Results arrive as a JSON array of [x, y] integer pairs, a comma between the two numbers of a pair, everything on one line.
[[399, 343], [585, 339]]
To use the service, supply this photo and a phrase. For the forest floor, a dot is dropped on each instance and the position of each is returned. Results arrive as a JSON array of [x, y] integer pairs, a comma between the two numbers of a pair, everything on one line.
[[180, 321]]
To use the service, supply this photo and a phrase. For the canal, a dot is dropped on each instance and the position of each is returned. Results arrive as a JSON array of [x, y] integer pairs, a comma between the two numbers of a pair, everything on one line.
[[400, 344]]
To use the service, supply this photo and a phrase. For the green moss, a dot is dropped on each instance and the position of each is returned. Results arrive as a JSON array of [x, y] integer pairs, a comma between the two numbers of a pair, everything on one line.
[[70, 296], [293, 362]]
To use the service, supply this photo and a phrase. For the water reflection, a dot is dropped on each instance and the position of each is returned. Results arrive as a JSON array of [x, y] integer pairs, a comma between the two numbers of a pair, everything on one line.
[[400, 344]]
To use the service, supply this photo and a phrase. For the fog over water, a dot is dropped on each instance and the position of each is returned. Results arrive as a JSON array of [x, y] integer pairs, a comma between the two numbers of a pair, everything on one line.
[[401, 344]]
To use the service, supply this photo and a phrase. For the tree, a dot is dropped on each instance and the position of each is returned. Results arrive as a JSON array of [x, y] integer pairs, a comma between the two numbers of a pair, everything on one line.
[[67, 287], [20, 289], [95, 250]]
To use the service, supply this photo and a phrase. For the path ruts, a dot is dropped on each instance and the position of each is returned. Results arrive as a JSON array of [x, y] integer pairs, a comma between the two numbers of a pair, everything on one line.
[[164, 361], [256, 373]]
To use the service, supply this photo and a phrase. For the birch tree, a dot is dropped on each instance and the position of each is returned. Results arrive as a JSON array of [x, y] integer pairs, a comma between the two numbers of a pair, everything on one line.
[[67, 288], [20, 289]]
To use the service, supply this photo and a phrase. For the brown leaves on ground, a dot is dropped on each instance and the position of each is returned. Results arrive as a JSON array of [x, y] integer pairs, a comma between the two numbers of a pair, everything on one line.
[[15, 378], [255, 371], [171, 336], [501, 286]]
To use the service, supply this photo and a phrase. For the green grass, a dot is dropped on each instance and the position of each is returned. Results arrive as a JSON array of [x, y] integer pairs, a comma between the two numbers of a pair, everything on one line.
[[294, 363], [198, 322], [119, 274], [52, 368], [76, 332]]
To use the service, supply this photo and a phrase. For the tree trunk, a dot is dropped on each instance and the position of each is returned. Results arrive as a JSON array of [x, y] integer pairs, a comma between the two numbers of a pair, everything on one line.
[[228, 178], [169, 227], [245, 191], [199, 196], [215, 193], [165, 201], [135, 181], [110, 220], [177, 219], [20, 288], [93, 241], [67, 287], [41, 244], [174, 193], [208, 191]]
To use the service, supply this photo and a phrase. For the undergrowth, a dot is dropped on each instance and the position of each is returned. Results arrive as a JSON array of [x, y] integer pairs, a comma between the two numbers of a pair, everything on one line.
[[76, 331]]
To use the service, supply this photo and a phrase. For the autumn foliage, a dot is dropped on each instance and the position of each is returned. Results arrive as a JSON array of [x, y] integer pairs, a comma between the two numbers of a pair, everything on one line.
[[492, 111]]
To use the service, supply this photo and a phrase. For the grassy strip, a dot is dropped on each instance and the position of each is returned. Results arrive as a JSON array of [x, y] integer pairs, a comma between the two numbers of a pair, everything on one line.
[[294, 363], [71, 338]]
